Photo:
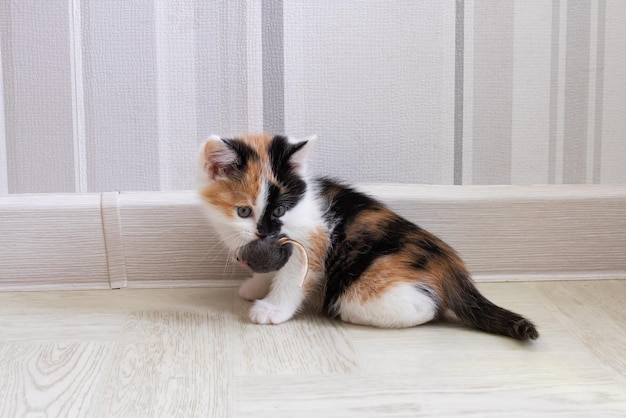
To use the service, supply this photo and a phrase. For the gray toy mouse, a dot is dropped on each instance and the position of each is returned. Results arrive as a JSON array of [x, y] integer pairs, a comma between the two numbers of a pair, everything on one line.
[[265, 254]]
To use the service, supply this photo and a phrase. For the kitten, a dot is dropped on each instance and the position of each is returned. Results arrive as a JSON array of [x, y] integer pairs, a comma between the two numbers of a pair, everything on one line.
[[367, 264]]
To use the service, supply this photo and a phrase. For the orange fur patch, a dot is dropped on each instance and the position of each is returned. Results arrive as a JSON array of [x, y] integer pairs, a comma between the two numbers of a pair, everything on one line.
[[369, 221], [314, 285], [318, 245], [442, 268], [229, 193], [384, 273], [259, 143], [227, 196]]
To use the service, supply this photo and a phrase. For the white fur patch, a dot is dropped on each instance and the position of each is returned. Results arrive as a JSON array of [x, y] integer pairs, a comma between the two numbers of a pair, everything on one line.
[[285, 296], [256, 287], [261, 202], [402, 306], [264, 313], [304, 218], [203, 178], [233, 232], [299, 158]]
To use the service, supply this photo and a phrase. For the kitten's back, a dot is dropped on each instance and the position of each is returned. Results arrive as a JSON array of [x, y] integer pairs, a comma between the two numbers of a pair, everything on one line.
[[373, 250]]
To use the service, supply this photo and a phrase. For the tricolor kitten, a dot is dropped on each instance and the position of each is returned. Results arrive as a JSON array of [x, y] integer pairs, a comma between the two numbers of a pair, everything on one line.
[[367, 265]]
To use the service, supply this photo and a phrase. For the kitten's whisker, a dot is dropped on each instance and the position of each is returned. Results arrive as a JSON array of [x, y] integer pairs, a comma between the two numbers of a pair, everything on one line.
[[229, 264], [239, 241], [221, 241]]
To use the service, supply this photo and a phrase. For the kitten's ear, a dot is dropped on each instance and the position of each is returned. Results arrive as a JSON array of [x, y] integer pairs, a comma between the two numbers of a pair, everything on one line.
[[299, 156], [217, 159]]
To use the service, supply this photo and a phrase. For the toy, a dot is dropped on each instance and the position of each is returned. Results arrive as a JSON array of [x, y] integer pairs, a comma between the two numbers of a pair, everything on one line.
[[271, 254]]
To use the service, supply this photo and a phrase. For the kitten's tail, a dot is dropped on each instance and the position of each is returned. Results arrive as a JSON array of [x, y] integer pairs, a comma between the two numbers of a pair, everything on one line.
[[473, 309]]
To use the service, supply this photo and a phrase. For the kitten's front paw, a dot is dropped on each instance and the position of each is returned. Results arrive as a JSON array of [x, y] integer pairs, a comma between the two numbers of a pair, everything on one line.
[[254, 288], [263, 312]]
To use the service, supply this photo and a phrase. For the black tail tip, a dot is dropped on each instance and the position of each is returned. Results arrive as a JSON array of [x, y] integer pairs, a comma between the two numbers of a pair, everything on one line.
[[525, 330]]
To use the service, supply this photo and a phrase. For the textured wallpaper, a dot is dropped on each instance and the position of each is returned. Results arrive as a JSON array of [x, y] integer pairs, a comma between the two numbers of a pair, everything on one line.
[[118, 95]]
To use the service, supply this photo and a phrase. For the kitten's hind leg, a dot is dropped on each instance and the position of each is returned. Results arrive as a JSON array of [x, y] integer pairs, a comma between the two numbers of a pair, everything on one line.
[[400, 306], [256, 287]]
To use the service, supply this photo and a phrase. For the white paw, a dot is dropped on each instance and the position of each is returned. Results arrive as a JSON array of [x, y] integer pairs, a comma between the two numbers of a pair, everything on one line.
[[266, 313], [254, 288]]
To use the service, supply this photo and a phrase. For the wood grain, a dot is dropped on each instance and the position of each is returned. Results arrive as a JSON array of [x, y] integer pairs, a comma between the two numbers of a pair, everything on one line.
[[54, 379], [59, 326], [168, 241], [486, 394], [510, 233], [192, 352], [116, 301], [52, 242], [307, 344], [594, 314], [181, 361]]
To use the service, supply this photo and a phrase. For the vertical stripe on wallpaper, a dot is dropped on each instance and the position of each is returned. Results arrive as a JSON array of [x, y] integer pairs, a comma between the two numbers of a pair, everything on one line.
[[37, 96], [599, 96], [458, 91], [120, 84], [554, 90], [227, 73], [468, 92], [176, 92], [613, 147], [4, 80], [591, 107], [78, 98], [254, 64], [4, 184], [206, 38], [233, 67], [493, 92], [273, 66], [576, 91], [531, 92], [176, 86]]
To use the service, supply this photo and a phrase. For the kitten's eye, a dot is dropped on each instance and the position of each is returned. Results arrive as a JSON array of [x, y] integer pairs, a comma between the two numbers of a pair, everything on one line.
[[244, 211], [279, 211]]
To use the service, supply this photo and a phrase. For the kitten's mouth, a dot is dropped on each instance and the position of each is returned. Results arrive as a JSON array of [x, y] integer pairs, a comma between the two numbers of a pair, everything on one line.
[[265, 255]]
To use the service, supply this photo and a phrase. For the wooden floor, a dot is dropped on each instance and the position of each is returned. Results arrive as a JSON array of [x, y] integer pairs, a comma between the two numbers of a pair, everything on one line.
[[192, 353]]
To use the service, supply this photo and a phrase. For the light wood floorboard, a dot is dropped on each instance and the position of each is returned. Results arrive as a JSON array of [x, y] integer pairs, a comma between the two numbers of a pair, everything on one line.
[[594, 312], [308, 344], [193, 353]]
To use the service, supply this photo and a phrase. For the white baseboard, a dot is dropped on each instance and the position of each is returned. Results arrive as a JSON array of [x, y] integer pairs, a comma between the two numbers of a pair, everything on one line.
[[162, 239]]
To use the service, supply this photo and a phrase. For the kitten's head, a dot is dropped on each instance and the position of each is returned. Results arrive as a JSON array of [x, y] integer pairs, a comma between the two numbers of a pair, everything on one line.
[[252, 184]]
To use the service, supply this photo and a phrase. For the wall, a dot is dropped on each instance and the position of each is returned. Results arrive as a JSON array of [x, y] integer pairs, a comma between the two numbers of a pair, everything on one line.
[[117, 95]]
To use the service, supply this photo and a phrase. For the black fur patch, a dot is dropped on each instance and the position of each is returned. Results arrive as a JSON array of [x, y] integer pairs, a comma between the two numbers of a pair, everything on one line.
[[346, 203], [350, 256], [244, 154], [420, 262], [424, 249], [280, 152], [269, 224], [473, 309]]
